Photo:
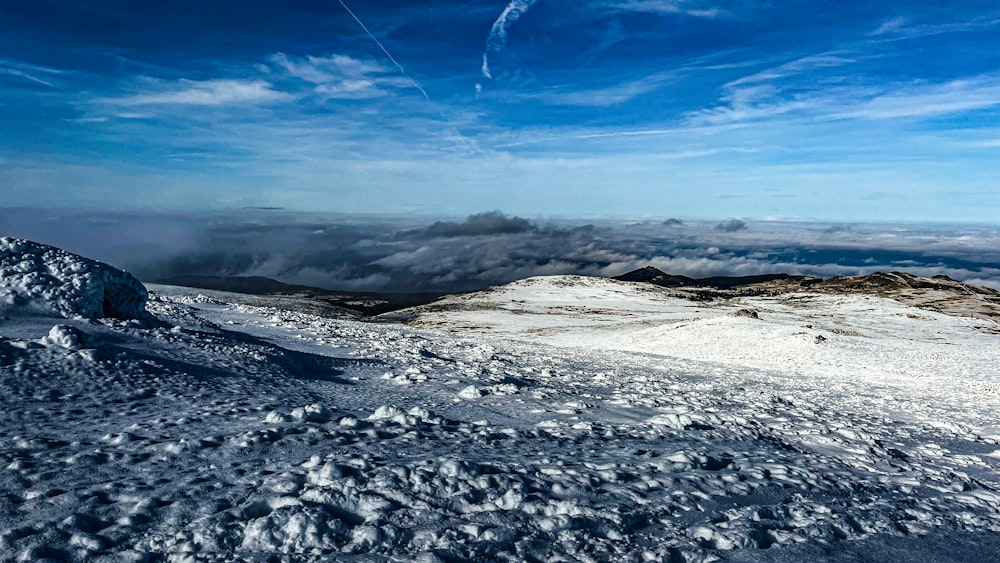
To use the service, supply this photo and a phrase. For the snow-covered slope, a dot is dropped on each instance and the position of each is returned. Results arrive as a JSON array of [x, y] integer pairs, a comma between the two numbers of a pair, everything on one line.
[[39, 278], [870, 350], [244, 430]]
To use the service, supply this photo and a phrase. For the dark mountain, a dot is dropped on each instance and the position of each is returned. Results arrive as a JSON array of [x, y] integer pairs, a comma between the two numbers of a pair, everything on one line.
[[253, 285], [658, 277]]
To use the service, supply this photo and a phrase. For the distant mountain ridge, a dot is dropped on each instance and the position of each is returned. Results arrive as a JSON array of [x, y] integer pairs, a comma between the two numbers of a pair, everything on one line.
[[658, 277], [938, 293], [865, 283], [253, 285]]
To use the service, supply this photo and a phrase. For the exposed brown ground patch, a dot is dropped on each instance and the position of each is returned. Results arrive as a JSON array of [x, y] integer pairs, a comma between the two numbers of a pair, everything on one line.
[[939, 293]]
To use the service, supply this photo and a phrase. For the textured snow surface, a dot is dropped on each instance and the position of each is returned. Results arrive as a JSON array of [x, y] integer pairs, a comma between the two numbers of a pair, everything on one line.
[[45, 279], [248, 432], [861, 349]]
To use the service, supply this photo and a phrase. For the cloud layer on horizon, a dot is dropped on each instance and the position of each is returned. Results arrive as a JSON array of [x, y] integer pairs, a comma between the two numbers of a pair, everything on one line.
[[393, 254]]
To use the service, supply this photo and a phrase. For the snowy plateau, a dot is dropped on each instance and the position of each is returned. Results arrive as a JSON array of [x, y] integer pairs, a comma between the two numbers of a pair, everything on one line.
[[552, 419]]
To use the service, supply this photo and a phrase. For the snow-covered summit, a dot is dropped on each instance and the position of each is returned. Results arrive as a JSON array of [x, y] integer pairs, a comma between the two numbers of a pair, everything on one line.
[[44, 279]]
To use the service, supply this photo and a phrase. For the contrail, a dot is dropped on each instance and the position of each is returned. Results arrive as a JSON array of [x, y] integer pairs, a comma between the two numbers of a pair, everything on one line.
[[25, 75], [497, 39], [386, 51]]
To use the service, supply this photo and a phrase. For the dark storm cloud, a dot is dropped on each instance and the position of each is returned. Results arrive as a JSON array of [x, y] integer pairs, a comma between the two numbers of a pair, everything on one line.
[[393, 254], [731, 226], [490, 223], [483, 250]]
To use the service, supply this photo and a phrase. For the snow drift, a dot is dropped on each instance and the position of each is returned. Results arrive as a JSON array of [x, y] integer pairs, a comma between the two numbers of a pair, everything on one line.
[[42, 278]]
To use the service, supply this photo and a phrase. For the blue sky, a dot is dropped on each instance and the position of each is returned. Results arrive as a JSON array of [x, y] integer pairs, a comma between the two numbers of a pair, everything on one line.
[[734, 108]]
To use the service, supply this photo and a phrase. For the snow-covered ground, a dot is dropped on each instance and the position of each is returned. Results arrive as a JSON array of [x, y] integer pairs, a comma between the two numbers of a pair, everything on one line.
[[870, 352], [566, 419]]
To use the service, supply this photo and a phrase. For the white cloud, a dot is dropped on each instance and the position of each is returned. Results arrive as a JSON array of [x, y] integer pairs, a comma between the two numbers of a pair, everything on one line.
[[604, 97], [763, 95], [900, 28], [931, 100], [798, 66], [983, 144], [207, 93], [685, 7], [322, 70], [341, 76], [335, 76], [890, 26], [740, 112], [818, 87]]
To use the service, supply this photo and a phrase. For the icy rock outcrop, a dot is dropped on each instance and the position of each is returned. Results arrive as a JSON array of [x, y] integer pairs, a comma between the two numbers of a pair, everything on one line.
[[43, 278]]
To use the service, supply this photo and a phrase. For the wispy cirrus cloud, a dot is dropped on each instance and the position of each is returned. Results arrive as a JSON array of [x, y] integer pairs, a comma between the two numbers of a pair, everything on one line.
[[281, 78], [890, 26], [984, 143], [790, 87], [670, 7], [902, 28], [323, 70], [341, 76], [928, 100], [799, 66], [215, 92], [833, 86], [911, 101], [615, 94], [31, 73]]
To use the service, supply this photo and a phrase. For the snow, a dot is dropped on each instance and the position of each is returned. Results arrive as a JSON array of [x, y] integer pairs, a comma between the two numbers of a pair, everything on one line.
[[38, 277], [857, 348], [560, 421]]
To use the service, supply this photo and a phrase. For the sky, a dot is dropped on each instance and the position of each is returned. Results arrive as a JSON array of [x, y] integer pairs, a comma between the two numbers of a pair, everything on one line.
[[847, 111]]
